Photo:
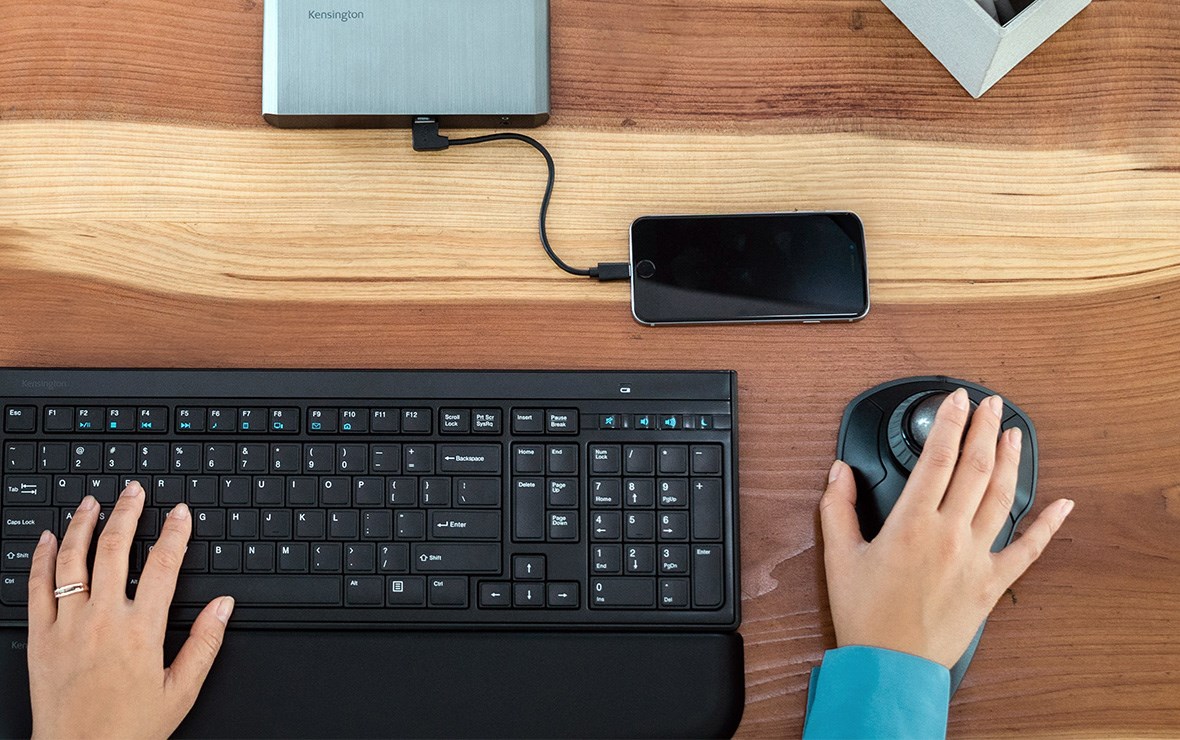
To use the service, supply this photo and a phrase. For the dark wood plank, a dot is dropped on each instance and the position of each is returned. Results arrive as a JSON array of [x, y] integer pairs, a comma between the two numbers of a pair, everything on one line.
[[1085, 643], [1108, 79]]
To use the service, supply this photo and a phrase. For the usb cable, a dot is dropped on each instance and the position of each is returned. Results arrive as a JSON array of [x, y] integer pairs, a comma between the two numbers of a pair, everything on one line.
[[426, 138]]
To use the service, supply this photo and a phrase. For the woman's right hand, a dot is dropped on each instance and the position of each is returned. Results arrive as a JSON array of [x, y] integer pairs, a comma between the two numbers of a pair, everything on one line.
[[929, 579]]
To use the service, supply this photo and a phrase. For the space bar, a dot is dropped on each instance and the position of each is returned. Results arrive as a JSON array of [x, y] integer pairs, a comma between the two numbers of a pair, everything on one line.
[[255, 590]]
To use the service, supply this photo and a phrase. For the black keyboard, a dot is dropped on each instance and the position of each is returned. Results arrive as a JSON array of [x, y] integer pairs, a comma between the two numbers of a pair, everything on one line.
[[359, 497]]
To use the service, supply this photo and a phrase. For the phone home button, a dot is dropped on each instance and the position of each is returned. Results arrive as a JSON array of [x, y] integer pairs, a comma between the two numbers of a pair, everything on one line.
[[645, 269]]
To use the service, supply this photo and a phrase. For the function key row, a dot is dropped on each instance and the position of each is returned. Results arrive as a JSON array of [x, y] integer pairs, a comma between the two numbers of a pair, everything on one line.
[[339, 420], [71, 419], [403, 421]]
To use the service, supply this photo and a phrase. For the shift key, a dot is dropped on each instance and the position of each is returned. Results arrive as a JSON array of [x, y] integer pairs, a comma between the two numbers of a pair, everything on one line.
[[447, 558]]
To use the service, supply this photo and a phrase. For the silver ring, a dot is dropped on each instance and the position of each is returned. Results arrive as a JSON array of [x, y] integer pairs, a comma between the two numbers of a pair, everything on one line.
[[70, 590]]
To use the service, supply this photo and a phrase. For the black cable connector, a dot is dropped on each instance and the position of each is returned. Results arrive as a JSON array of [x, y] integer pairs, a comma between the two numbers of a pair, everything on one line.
[[426, 138]]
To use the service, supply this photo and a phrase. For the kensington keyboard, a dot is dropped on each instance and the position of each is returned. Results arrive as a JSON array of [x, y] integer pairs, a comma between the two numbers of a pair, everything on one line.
[[409, 497]]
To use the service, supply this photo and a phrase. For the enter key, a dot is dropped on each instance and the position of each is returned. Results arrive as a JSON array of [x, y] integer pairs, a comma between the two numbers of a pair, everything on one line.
[[464, 525]]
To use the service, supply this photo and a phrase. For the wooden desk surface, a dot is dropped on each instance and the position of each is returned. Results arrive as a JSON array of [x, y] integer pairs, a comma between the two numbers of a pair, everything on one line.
[[1027, 241]]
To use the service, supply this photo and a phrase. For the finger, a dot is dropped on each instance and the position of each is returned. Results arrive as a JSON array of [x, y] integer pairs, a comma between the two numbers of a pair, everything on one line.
[[75, 546], [42, 604], [837, 511], [1013, 560], [187, 673], [157, 584], [974, 470], [114, 546], [928, 482], [996, 506]]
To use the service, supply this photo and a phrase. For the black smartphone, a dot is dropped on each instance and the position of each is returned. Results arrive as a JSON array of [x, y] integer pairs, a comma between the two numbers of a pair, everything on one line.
[[805, 267]]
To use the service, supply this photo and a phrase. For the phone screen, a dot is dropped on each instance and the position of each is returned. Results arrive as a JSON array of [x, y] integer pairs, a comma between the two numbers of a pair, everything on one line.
[[758, 267]]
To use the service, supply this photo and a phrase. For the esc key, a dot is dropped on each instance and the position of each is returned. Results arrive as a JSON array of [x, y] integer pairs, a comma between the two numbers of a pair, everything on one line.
[[20, 419]]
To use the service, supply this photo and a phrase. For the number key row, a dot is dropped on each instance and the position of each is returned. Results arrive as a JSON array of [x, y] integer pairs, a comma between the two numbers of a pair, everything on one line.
[[229, 457]]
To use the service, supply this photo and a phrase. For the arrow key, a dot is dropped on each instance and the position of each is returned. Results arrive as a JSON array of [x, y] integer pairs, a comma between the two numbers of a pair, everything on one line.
[[494, 594], [563, 595], [528, 594], [528, 567]]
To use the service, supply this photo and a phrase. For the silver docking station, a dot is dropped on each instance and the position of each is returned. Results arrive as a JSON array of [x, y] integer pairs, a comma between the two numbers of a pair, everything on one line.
[[382, 63]]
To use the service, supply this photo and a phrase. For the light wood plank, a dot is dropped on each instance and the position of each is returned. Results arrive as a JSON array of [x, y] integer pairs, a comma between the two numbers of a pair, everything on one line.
[[272, 214]]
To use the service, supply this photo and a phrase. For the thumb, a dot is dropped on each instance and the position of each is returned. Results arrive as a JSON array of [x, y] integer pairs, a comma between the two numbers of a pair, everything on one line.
[[187, 673], [837, 511]]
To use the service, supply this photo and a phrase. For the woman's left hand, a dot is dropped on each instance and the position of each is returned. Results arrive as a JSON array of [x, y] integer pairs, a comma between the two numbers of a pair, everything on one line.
[[96, 657]]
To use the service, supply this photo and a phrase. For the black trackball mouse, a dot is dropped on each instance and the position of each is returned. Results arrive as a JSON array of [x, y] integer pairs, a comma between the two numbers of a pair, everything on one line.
[[881, 436]]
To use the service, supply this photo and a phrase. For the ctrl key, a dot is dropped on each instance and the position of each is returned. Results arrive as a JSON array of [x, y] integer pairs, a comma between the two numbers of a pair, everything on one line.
[[14, 589]]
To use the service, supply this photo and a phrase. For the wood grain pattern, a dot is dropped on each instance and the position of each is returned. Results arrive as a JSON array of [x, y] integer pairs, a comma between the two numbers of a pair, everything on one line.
[[1085, 644], [1107, 80], [1026, 241], [271, 214]]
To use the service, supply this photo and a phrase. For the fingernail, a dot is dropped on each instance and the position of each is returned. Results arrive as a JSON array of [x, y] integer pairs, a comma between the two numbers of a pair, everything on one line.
[[1014, 436], [1067, 508], [959, 398], [997, 405], [133, 489], [180, 511], [834, 473], [87, 504], [46, 536], [225, 608]]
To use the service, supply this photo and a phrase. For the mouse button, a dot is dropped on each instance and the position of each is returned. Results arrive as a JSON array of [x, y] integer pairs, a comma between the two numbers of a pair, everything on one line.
[[859, 445], [975, 396], [873, 504], [1023, 499]]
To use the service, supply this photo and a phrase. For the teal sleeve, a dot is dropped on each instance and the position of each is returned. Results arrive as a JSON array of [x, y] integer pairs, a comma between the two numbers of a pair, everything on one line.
[[865, 692]]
